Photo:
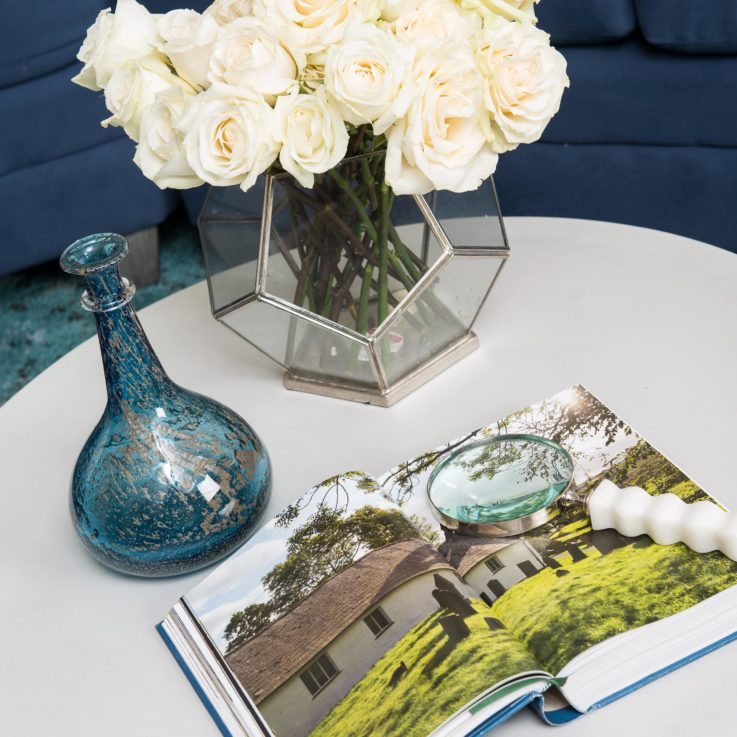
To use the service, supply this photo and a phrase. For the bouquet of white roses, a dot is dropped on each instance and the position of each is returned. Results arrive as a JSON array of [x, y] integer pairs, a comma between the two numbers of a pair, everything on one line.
[[348, 102], [443, 86]]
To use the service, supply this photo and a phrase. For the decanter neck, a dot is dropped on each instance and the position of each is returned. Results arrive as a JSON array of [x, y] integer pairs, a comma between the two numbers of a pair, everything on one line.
[[133, 373], [106, 290]]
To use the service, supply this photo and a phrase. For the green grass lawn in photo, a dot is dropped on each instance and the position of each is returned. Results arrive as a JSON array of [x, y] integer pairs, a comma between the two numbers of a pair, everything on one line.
[[439, 680], [602, 596]]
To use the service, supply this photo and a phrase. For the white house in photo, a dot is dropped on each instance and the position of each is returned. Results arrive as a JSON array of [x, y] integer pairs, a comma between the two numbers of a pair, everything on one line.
[[491, 566], [299, 667]]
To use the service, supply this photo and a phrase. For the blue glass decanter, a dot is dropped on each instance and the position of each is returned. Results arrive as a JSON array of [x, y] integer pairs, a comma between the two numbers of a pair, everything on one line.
[[169, 481]]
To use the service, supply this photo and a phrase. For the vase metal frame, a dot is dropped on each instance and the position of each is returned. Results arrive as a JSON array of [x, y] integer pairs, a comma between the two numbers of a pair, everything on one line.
[[386, 391]]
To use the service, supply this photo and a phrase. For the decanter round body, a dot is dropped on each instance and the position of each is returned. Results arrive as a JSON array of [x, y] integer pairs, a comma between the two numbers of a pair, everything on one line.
[[169, 480]]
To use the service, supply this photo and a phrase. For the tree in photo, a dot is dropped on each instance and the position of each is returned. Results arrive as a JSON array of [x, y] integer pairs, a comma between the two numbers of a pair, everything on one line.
[[332, 492], [327, 543], [573, 415], [243, 625]]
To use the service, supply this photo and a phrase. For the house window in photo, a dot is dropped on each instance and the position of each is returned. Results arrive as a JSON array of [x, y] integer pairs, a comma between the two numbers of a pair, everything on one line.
[[494, 564], [528, 568], [377, 621], [496, 588], [319, 674]]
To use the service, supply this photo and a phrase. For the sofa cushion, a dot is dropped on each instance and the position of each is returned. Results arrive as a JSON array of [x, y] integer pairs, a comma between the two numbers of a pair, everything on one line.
[[681, 189], [703, 27], [571, 22], [164, 6], [41, 37], [48, 206], [50, 117], [631, 92]]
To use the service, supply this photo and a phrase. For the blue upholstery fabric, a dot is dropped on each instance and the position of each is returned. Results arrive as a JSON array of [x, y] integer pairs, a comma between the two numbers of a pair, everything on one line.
[[47, 206], [630, 92], [690, 26], [68, 121], [164, 6], [644, 136], [62, 176], [42, 36], [573, 22], [39, 37], [690, 191]]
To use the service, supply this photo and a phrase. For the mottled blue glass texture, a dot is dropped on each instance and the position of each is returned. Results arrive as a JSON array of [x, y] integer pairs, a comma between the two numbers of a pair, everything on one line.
[[169, 481]]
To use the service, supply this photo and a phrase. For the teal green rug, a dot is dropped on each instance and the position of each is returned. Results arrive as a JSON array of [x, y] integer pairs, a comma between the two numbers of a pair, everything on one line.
[[42, 318]]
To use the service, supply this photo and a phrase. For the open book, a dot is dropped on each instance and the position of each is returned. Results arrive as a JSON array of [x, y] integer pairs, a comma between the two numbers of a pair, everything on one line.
[[353, 612]]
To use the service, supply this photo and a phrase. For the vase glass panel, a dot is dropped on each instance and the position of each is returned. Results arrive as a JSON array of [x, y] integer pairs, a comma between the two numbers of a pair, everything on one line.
[[354, 291]]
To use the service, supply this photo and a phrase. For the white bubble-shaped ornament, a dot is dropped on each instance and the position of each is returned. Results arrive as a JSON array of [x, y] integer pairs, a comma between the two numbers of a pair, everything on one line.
[[666, 518]]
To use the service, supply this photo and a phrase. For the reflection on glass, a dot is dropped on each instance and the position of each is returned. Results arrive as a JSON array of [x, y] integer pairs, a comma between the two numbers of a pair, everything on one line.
[[500, 479], [354, 293]]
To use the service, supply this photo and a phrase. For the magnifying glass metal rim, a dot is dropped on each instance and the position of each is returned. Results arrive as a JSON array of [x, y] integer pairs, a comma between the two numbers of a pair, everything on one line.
[[501, 528]]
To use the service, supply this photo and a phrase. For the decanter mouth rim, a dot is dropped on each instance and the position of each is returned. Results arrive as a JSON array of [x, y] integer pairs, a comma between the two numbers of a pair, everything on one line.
[[93, 253]]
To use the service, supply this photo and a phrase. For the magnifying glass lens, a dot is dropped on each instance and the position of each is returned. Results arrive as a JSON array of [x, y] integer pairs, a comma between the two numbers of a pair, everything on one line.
[[503, 478]]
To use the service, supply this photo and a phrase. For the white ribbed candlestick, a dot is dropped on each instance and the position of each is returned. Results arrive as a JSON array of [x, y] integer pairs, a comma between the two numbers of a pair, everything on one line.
[[667, 519]]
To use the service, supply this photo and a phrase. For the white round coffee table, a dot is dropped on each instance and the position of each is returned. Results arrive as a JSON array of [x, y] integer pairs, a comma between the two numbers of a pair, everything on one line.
[[645, 320]]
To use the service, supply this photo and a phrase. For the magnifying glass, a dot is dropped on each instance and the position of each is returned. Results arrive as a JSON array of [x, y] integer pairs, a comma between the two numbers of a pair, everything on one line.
[[508, 484]]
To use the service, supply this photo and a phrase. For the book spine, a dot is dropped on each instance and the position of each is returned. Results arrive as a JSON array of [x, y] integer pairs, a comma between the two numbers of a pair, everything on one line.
[[193, 681]]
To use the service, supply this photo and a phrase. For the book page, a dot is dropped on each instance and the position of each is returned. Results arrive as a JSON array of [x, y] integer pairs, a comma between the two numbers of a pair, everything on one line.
[[563, 588], [340, 617]]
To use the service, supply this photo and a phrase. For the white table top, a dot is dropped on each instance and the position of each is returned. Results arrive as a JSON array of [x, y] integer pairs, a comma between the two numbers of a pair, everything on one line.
[[645, 320]]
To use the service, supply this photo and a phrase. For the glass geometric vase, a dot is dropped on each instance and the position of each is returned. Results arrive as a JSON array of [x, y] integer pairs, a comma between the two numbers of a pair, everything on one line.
[[356, 292]]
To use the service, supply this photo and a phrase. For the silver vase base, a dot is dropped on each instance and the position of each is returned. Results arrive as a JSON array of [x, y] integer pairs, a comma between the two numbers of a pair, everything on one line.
[[315, 384]]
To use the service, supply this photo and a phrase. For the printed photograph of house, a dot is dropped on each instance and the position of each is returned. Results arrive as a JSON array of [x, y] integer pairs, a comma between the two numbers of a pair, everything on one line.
[[354, 612], [342, 610], [491, 567], [587, 585], [307, 661]]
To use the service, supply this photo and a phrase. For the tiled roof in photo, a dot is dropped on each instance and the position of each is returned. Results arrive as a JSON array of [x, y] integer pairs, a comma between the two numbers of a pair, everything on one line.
[[266, 661], [464, 552]]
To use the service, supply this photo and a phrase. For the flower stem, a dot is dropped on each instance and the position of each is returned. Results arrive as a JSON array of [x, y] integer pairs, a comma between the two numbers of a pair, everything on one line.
[[362, 320], [383, 306], [368, 177], [405, 254], [353, 197]]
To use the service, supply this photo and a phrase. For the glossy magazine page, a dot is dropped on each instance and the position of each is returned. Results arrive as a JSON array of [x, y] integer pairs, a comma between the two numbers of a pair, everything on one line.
[[355, 612], [340, 613], [585, 593]]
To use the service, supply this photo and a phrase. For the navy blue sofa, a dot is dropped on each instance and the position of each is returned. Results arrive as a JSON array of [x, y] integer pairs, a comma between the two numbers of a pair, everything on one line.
[[62, 175], [647, 133]]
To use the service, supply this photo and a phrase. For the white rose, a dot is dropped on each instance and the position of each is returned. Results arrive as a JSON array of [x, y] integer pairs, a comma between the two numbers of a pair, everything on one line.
[[133, 87], [159, 153], [520, 10], [312, 134], [311, 26], [187, 39], [312, 76], [228, 136], [226, 11], [248, 54], [524, 79], [113, 39], [441, 142], [431, 22], [367, 74], [392, 9]]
